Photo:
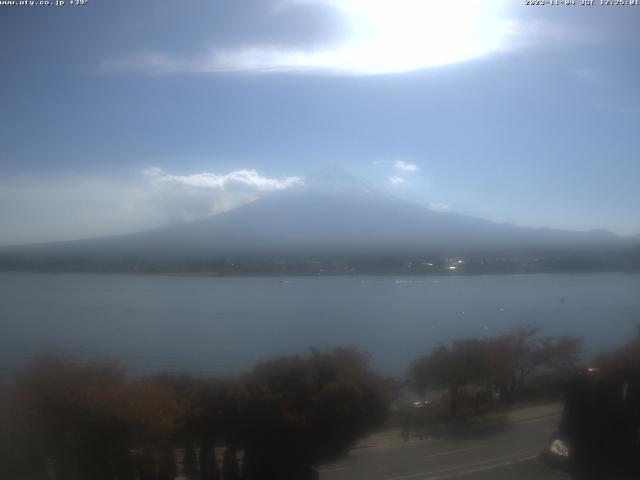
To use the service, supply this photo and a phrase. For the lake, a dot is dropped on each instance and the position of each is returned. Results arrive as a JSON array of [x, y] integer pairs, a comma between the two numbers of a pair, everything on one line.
[[208, 325]]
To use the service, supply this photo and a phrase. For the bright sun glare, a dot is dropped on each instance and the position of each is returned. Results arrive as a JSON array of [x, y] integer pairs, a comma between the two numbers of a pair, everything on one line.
[[404, 35], [392, 36]]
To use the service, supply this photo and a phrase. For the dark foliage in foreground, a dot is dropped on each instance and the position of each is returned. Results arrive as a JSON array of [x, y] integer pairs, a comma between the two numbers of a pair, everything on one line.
[[304, 411], [91, 421], [600, 423]]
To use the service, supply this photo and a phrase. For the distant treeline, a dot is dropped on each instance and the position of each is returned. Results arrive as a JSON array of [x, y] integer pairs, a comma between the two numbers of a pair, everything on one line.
[[545, 262]]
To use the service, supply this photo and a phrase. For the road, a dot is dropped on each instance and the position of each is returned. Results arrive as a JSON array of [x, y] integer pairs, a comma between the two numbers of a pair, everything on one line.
[[507, 452]]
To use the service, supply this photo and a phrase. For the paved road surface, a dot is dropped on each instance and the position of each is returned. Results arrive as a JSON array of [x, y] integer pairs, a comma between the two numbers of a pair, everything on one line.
[[505, 453]]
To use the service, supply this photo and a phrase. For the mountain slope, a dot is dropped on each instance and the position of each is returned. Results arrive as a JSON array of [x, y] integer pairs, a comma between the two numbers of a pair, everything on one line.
[[331, 215]]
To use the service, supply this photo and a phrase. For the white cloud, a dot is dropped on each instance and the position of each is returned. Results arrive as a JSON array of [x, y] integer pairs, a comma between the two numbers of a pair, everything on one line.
[[60, 207], [198, 195], [439, 206], [396, 181], [405, 167], [385, 36], [248, 178]]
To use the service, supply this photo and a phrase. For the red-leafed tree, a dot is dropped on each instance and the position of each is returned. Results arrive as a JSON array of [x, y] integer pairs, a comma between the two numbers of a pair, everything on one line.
[[519, 355], [87, 417]]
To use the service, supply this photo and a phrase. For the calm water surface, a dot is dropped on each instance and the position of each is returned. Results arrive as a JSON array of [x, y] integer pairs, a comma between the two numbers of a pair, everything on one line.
[[224, 325]]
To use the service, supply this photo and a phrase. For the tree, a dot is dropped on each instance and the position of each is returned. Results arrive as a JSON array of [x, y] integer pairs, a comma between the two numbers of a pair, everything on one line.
[[208, 463], [515, 357], [21, 456], [190, 461], [450, 367], [304, 410], [601, 417], [74, 415], [167, 468], [623, 358], [289, 415], [230, 469], [88, 416]]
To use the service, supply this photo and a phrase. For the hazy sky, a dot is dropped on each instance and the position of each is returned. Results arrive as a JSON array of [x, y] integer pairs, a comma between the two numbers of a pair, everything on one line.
[[118, 116]]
